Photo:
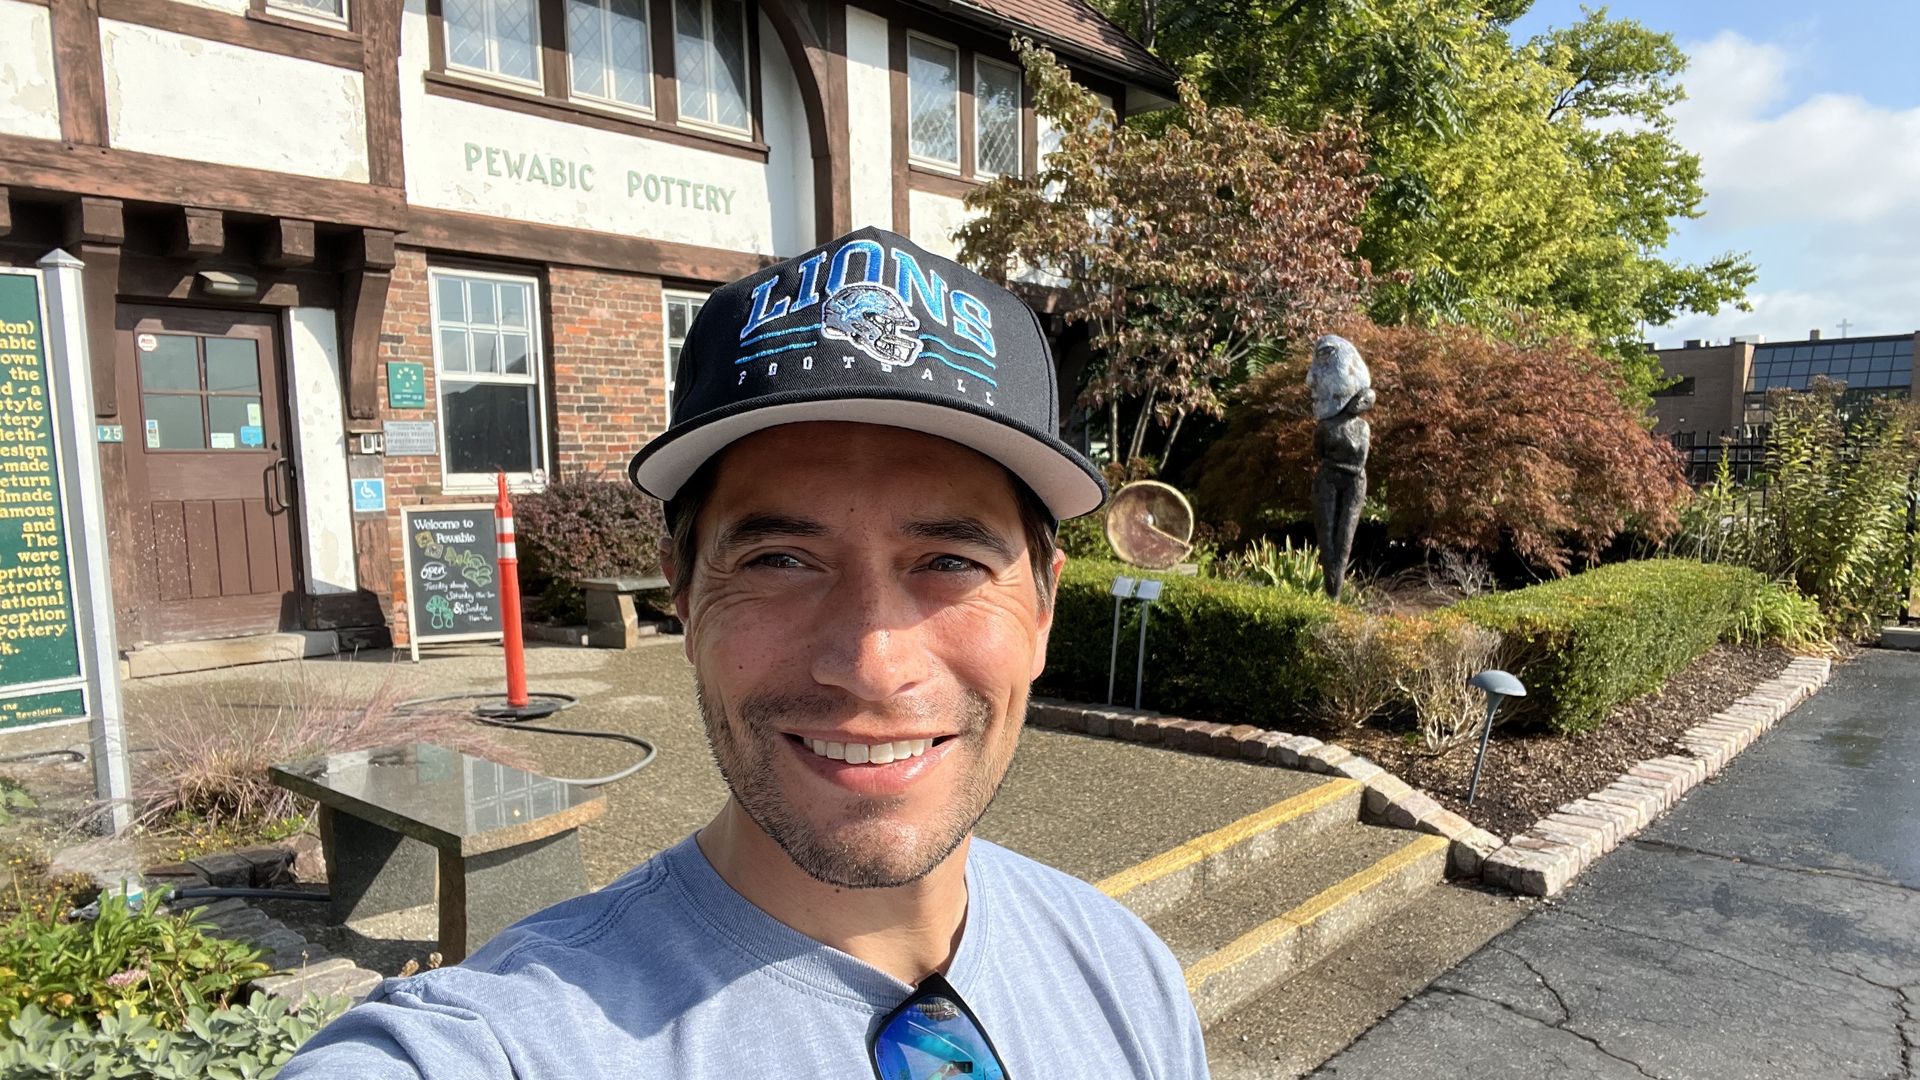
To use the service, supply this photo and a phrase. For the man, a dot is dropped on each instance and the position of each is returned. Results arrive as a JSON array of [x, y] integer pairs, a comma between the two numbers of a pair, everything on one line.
[[862, 487]]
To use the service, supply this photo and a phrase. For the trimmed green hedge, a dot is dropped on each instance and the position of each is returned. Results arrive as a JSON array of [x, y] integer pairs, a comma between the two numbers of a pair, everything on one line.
[[1217, 649], [1586, 643]]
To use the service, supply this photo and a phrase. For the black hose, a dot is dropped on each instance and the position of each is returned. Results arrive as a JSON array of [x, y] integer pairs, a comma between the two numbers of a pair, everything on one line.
[[36, 755], [220, 892], [648, 750]]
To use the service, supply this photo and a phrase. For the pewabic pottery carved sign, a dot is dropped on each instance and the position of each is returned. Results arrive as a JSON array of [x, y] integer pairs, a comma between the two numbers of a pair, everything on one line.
[[561, 173]]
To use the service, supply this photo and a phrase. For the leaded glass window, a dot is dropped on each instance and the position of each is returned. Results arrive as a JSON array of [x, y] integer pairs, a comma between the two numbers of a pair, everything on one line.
[[933, 102], [996, 112], [330, 10], [609, 51], [710, 62], [494, 37]]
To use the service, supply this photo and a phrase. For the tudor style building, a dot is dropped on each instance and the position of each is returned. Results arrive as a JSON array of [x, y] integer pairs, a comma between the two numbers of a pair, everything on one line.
[[420, 241]]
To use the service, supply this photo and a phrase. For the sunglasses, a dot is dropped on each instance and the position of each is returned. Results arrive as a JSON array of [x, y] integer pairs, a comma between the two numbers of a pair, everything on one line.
[[933, 1035]]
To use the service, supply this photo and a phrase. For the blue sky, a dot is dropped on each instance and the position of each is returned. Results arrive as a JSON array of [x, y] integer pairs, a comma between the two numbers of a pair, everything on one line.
[[1807, 121]]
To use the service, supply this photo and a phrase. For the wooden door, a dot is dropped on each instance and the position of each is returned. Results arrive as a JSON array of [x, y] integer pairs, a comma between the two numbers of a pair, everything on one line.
[[209, 473]]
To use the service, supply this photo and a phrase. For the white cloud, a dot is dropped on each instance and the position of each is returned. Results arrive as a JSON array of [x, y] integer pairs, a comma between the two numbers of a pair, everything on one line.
[[1822, 188]]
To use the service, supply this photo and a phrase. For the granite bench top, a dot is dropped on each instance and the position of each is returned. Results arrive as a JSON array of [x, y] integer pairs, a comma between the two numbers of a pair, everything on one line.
[[452, 801]]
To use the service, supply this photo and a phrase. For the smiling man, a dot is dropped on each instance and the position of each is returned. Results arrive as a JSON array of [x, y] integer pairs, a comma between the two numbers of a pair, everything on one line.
[[862, 484]]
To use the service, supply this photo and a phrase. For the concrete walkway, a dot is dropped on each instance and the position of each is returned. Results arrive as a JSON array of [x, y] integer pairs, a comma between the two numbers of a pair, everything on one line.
[[1769, 926]]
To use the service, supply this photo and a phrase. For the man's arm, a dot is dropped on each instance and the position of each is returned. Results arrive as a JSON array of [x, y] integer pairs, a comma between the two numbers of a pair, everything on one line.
[[398, 1034]]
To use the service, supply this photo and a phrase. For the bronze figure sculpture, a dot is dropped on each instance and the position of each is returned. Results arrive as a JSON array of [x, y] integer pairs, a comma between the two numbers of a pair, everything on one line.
[[1342, 390]]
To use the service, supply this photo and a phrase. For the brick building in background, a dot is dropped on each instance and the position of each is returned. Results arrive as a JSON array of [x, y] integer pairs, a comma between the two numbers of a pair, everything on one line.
[[1722, 389], [506, 211]]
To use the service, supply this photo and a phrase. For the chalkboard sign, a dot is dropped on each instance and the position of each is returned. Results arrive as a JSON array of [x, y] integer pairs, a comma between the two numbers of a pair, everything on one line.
[[453, 570], [39, 648]]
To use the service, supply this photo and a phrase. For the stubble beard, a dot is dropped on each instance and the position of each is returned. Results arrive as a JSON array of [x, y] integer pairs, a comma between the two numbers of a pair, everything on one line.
[[865, 848]]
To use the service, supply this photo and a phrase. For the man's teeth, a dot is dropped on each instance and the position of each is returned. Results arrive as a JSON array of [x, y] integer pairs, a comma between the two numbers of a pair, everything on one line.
[[869, 754]]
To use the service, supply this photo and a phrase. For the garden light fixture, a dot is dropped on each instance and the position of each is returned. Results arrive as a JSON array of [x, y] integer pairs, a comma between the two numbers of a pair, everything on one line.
[[1498, 685]]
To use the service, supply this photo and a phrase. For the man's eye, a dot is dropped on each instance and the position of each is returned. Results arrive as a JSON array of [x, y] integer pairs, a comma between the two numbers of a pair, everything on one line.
[[950, 564], [776, 560]]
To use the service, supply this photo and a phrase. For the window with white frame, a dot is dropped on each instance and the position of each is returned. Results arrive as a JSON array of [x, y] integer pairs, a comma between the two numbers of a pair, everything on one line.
[[996, 118], [609, 53], [494, 37], [681, 308], [710, 62], [486, 334], [333, 11], [933, 102]]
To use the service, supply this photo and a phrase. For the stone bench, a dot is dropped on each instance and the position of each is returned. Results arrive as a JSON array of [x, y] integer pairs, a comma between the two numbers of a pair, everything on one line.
[[613, 622], [403, 826]]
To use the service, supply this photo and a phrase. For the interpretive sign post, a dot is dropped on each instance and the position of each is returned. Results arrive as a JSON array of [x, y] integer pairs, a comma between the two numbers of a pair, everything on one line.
[[58, 657], [453, 588]]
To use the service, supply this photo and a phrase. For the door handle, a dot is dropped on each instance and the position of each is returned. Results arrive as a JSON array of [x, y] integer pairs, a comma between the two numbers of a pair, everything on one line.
[[280, 481]]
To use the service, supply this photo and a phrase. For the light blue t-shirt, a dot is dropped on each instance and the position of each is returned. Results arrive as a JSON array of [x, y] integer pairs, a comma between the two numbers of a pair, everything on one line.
[[670, 973]]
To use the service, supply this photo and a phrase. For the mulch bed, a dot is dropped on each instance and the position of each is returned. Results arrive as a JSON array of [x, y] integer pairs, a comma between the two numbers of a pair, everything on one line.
[[1528, 775]]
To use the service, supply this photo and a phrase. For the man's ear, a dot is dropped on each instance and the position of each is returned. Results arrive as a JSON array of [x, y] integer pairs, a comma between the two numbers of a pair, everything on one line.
[[671, 571], [1046, 616]]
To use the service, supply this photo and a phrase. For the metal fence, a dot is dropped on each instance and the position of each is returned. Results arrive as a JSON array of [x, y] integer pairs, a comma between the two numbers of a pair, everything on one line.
[[1700, 453]]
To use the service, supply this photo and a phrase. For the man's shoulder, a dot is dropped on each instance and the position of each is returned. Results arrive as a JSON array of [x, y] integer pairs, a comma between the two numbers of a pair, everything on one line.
[[1030, 883]]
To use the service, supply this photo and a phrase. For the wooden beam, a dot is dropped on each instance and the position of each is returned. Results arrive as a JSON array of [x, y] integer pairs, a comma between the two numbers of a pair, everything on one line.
[[6, 212], [289, 243], [364, 284], [380, 60], [136, 177], [202, 232], [96, 229], [80, 82], [526, 241]]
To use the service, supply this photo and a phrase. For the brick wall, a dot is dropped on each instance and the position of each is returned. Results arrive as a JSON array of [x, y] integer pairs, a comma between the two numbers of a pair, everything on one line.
[[606, 388]]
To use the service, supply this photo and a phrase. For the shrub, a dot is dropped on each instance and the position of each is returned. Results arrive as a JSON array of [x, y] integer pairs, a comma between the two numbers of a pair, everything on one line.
[[1216, 648], [250, 1040], [1777, 614], [1447, 651], [208, 766], [134, 956], [1477, 444], [583, 527], [1584, 644], [1363, 655]]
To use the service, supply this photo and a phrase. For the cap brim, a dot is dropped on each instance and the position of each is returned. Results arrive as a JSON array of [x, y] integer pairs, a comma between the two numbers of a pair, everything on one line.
[[1066, 482]]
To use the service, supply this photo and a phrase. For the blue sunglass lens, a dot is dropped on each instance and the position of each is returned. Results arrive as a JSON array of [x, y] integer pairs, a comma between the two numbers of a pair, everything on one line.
[[933, 1038]]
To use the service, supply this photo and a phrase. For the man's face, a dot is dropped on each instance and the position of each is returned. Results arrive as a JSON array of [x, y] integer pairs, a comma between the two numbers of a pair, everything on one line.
[[863, 621]]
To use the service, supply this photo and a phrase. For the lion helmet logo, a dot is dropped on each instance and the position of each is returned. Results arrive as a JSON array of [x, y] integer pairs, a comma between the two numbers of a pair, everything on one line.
[[875, 320]]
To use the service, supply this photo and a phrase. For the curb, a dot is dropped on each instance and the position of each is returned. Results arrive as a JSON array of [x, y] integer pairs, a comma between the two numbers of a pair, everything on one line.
[[1545, 858], [1539, 862]]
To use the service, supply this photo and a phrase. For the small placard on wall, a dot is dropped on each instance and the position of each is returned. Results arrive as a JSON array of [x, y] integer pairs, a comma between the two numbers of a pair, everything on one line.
[[406, 385], [411, 438], [110, 433]]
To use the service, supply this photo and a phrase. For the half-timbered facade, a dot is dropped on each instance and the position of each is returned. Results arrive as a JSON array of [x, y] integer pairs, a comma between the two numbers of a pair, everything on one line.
[[425, 241]]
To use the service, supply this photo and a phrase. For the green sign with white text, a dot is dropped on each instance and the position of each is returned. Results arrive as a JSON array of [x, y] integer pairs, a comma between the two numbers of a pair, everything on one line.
[[38, 643]]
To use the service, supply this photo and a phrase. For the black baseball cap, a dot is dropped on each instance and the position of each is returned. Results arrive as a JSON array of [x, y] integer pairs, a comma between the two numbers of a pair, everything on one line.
[[872, 329]]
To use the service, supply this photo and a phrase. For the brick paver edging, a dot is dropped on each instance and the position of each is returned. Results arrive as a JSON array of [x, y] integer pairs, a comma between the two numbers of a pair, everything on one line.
[[1538, 862]]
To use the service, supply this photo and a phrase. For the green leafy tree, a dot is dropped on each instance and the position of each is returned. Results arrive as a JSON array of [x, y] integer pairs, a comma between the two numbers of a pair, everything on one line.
[[1528, 188], [1188, 249]]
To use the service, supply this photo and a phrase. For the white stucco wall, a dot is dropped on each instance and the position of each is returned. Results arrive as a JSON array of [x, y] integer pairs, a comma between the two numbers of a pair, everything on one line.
[[231, 7], [28, 103], [464, 156], [187, 97], [789, 157], [934, 218], [320, 445], [869, 118]]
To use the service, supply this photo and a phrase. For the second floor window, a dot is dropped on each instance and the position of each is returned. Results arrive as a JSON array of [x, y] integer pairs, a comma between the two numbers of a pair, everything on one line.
[[495, 37], [608, 51], [710, 61], [996, 118], [933, 102]]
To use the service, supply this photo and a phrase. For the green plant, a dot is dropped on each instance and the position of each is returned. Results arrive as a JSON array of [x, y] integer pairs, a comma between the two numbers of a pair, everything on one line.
[[1586, 643], [1278, 566], [13, 798], [1363, 655], [249, 1040], [583, 527], [1215, 648], [135, 955], [1777, 614]]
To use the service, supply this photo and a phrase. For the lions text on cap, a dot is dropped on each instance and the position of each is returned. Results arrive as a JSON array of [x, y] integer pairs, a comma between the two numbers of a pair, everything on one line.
[[894, 319]]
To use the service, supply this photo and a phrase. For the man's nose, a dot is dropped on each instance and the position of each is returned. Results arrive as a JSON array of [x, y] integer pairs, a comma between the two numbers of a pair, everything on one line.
[[865, 641]]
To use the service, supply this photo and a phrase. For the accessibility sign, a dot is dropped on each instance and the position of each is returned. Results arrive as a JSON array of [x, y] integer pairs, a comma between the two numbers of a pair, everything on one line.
[[369, 496]]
